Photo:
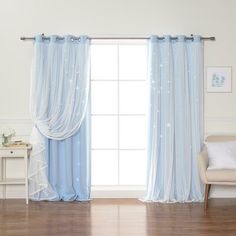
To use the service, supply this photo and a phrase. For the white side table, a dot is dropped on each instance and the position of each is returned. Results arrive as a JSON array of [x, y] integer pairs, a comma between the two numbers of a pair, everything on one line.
[[14, 152]]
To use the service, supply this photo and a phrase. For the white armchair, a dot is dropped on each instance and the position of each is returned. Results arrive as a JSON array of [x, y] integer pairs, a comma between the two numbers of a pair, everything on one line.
[[217, 177]]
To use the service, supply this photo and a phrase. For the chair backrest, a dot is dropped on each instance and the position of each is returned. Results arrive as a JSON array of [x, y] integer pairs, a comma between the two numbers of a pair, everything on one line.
[[220, 138]]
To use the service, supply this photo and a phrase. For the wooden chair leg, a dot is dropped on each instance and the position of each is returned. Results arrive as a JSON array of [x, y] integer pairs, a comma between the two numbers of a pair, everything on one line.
[[207, 190]]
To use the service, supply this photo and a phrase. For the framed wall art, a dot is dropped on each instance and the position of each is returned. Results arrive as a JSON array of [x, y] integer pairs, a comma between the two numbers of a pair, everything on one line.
[[219, 79]]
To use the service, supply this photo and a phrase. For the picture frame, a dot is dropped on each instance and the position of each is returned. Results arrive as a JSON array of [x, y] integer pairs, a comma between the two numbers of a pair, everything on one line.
[[219, 79]]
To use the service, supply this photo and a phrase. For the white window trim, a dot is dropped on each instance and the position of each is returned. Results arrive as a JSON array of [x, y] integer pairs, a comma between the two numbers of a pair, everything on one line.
[[121, 191]]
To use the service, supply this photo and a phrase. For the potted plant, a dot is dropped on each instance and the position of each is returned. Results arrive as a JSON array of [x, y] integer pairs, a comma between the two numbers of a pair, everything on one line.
[[7, 133]]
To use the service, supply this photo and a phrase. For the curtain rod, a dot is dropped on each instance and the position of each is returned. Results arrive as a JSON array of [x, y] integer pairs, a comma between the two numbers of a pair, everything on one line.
[[212, 38]]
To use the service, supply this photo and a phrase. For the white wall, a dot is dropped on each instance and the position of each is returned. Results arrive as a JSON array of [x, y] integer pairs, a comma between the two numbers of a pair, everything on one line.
[[110, 18]]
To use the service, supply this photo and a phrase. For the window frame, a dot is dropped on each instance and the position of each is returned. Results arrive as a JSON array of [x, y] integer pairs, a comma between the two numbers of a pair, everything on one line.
[[118, 190]]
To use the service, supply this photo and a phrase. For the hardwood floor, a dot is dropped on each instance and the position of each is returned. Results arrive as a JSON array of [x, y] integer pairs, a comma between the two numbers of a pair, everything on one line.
[[115, 217]]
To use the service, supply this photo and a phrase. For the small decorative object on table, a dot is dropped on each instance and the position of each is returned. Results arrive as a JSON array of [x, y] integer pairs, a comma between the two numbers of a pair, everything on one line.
[[7, 133]]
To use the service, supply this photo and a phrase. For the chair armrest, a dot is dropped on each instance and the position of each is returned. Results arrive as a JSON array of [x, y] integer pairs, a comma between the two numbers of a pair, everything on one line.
[[202, 165]]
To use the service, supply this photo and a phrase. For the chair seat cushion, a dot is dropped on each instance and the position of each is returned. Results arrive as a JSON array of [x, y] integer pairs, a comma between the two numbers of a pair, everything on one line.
[[223, 175]]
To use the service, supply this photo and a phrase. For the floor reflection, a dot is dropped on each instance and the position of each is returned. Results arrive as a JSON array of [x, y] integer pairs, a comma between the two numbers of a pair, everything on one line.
[[117, 217]]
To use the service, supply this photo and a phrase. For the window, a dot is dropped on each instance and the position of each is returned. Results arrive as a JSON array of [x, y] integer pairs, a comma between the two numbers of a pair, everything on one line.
[[118, 107]]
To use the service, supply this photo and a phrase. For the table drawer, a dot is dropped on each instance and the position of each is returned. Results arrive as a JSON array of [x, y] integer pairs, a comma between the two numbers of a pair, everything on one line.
[[12, 153]]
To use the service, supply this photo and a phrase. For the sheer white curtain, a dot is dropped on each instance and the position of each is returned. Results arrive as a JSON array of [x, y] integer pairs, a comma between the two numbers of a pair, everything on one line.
[[175, 119], [59, 100]]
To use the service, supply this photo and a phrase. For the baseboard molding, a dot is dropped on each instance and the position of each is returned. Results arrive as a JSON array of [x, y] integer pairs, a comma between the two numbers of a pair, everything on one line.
[[18, 192], [223, 192], [13, 192]]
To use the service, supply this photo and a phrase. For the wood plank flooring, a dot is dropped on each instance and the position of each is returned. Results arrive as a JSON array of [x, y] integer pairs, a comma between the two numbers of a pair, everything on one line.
[[117, 217]]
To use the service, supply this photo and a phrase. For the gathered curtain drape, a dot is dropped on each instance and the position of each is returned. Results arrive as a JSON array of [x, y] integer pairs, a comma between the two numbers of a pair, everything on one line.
[[175, 129], [60, 159]]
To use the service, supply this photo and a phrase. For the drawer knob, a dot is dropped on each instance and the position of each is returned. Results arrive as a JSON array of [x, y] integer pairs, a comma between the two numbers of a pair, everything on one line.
[[11, 152]]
